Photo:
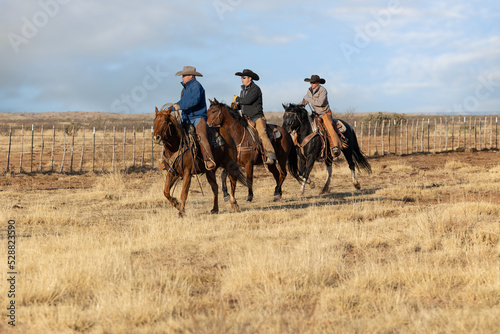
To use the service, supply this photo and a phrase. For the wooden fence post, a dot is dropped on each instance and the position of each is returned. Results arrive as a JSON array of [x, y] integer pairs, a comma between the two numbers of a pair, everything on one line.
[[440, 134], [389, 136], [401, 138], [496, 132], [435, 132], [452, 133], [375, 138], [93, 149], [53, 145], [64, 150], [103, 147], [395, 138], [8, 154], [124, 139], [465, 134], [491, 132], [41, 149], [475, 133], [133, 149], [72, 149], [113, 157], [369, 137], [422, 138], [412, 135], [152, 149], [485, 127], [83, 149], [22, 144], [382, 136], [144, 145], [446, 138], [32, 140], [407, 136], [428, 135]]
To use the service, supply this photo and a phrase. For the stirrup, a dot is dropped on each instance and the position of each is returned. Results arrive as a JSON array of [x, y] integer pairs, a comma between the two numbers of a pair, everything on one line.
[[335, 152], [210, 165]]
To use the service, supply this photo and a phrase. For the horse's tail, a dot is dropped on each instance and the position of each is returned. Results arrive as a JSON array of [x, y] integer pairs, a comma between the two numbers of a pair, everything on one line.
[[360, 159], [236, 171], [292, 163], [231, 165]]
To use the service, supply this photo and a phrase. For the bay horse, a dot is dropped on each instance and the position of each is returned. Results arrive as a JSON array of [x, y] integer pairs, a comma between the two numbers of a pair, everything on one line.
[[182, 158], [314, 146], [249, 147]]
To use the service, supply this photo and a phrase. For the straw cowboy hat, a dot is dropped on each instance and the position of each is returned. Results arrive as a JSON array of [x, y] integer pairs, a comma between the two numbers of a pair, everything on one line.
[[248, 73], [315, 78], [189, 70]]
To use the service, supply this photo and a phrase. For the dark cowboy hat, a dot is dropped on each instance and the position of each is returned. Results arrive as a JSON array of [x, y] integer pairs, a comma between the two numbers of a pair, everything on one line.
[[315, 78], [248, 73]]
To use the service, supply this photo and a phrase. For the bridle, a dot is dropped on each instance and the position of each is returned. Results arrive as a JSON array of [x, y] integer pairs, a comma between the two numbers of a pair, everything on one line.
[[295, 116], [219, 116], [166, 132]]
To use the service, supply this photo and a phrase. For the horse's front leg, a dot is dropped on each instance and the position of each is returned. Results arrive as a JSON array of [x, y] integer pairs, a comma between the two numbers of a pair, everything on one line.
[[326, 187], [249, 174], [223, 178], [169, 182], [212, 180], [308, 166], [186, 183], [232, 199]]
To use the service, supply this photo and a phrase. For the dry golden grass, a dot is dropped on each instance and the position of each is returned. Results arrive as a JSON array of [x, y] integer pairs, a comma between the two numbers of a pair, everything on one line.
[[417, 250]]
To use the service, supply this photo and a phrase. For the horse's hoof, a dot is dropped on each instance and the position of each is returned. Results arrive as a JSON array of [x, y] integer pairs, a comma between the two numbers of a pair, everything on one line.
[[277, 198], [236, 207], [226, 197], [181, 214], [357, 186], [214, 212], [324, 191], [249, 198]]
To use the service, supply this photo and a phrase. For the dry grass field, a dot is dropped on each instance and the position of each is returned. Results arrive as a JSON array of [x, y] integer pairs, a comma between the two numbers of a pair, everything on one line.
[[416, 250]]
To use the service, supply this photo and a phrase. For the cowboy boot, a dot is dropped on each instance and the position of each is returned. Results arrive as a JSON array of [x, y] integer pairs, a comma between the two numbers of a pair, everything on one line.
[[260, 125], [333, 138], [206, 151]]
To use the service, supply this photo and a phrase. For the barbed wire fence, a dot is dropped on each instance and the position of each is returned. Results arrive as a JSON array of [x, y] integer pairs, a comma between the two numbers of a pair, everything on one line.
[[67, 149], [70, 150]]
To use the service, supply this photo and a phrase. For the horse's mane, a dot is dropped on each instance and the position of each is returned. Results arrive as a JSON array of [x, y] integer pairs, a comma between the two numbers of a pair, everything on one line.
[[235, 114], [179, 129], [299, 109]]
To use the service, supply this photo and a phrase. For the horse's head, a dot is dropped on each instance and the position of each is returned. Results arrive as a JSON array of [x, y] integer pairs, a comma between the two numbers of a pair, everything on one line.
[[165, 126], [295, 115], [214, 113]]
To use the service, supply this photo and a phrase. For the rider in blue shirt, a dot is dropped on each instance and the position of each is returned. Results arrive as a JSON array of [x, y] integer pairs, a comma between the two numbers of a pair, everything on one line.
[[194, 110]]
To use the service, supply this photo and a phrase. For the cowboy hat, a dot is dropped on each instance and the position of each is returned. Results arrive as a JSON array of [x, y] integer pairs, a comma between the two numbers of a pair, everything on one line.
[[189, 70], [315, 78], [248, 73]]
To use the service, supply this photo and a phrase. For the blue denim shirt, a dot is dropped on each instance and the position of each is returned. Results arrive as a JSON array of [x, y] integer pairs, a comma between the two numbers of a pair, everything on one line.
[[192, 102]]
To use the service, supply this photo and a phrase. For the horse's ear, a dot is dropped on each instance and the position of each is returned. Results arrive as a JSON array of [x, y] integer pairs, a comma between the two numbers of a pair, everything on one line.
[[215, 101], [156, 110], [284, 107], [211, 102]]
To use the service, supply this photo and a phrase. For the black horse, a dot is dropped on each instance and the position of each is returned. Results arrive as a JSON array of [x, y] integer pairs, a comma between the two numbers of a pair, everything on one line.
[[311, 146]]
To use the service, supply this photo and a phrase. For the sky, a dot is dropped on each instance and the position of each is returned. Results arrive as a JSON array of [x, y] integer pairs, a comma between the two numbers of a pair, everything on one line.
[[398, 56]]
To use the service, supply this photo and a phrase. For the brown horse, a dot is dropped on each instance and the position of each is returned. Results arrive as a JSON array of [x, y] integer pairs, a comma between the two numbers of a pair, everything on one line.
[[249, 147], [182, 158]]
